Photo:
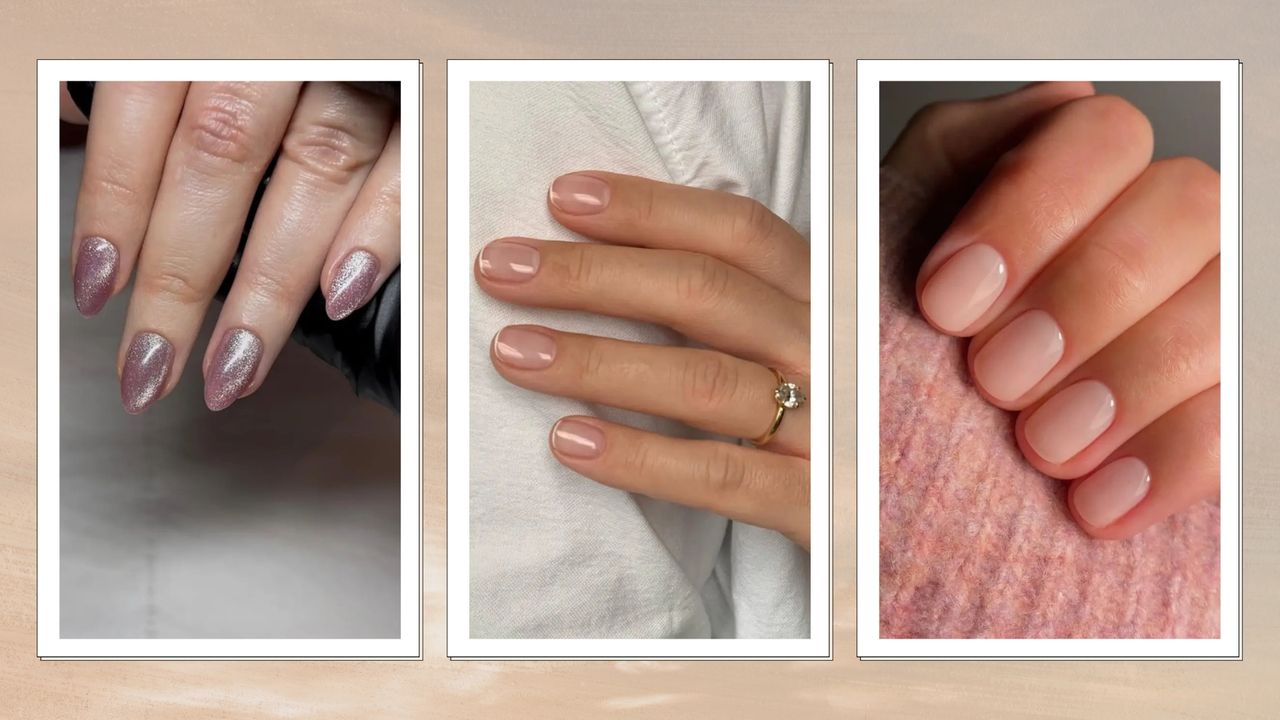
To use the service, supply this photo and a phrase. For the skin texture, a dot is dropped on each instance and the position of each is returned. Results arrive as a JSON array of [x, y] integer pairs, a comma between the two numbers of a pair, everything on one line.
[[1086, 278], [170, 172], [699, 262]]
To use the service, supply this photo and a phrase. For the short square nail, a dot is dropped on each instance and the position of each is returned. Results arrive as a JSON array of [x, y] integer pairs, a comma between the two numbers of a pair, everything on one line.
[[964, 287], [146, 369], [232, 369], [95, 276], [1069, 421], [1018, 357], [508, 261], [524, 348], [577, 439], [579, 194], [1115, 489], [350, 283]]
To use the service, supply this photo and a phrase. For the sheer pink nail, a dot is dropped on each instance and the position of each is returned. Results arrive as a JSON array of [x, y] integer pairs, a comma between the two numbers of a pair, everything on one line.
[[1070, 421], [1105, 496], [964, 288], [577, 439], [524, 348], [579, 194], [1018, 357], [509, 261]]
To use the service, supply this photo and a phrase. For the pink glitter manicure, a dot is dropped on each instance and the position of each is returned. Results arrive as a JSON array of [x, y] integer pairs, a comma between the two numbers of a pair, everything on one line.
[[352, 280], [232, 369], [146, 368], [95, 275]]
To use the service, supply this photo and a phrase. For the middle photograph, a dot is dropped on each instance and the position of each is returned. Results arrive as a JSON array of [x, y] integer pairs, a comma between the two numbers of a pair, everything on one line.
[[639, 400]]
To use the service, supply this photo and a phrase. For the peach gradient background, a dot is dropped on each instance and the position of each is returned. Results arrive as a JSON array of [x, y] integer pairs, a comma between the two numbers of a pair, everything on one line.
[[836, 29]]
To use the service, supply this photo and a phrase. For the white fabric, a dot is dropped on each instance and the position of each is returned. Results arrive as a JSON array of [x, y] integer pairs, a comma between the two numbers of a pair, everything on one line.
[[552, 553]]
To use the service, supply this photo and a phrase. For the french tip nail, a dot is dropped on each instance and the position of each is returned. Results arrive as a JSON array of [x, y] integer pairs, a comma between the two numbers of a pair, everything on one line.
[[95, 274], [351, 284], [146, 369], [233, 368]]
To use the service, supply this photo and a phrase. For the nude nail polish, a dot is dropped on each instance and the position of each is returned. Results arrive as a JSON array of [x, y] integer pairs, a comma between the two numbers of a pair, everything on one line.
[[350, 284], [1018, 357], [577, 439], [964, 287], [524, 348], [579, 194], [146, 370], [508, 261], [95, 275], [232, 368], [1112, 491], [1070, 421]]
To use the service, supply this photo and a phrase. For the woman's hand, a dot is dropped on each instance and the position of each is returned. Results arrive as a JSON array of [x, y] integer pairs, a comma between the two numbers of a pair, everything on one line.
[[718, 268], [170, 172]]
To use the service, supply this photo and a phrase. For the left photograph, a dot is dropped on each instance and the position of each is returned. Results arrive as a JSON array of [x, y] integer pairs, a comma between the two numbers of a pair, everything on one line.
[[229, 359]]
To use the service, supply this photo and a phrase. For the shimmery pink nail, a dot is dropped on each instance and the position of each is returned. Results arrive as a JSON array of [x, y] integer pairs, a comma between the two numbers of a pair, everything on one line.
[[232, 369], [95, 276], [146, 368], [351, 283]]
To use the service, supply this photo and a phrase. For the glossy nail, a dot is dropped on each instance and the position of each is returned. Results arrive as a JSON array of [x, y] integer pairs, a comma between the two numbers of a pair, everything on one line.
[[95, 276], [1069, 421], [1018, 357], [524, 348], [577, 439], [964, 287], [351, 283], [579, 194], [1105, 496], [146, 370], [233, 368], [508, 261]]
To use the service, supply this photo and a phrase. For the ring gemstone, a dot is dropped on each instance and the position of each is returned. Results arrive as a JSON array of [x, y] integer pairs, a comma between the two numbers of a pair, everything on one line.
[[789, 396]]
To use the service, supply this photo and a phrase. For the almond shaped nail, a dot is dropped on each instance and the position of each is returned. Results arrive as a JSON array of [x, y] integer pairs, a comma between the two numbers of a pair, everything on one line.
[[146, 370], [95, 275], [232, 369], [351, 284]]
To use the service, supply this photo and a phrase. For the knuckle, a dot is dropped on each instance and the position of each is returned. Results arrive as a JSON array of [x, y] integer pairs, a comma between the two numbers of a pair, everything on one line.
[[753, 225], [273, 285], [574, 268], [710, 381], [330, 152], [221, 128], [724, 473], [1181, 352], [702, 280], [593, 362], [170, 283], [1120, 258], [1194, 184], [1052, 211], [114, 183], [1121, 119]]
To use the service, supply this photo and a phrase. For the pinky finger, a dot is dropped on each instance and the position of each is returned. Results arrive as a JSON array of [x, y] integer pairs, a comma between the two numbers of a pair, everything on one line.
[[746, 484], [366, 249], [1165, 469]]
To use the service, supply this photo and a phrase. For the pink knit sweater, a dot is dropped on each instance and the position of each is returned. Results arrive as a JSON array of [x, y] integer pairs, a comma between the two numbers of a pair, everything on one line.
[[973, 541]]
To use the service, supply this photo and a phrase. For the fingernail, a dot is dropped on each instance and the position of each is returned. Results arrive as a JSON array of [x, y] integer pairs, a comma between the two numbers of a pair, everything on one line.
[[580, 194], [1019, 356], [524, 348], [1105, 496], [232, 369], [350, 284], [964, 287], [146, 369], [508, 261], [1070, 420], [95, 278], [577, 439]]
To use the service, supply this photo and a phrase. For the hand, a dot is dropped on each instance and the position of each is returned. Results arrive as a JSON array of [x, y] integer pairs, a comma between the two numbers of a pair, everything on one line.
[[1087, 279], [718, 268], [170, 172]]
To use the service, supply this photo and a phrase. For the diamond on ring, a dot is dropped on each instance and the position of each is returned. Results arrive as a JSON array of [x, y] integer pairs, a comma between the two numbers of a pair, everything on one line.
[[789, 396]]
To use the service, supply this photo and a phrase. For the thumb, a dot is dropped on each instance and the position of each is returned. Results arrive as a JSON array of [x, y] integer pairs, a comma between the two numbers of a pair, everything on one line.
[[948, 147]]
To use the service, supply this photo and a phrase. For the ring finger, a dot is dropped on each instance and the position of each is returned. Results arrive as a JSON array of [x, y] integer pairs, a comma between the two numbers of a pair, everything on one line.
[[702, 388]]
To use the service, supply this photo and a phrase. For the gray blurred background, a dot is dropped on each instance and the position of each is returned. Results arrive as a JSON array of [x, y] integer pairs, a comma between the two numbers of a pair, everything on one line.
[[1184, 115], [276, 518]]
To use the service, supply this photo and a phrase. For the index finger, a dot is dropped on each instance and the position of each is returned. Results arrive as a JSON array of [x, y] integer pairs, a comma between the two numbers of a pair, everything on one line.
[[629, 210]]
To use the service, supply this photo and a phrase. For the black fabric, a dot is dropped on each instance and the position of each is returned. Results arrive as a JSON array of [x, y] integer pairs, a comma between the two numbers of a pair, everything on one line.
[[365, 346]]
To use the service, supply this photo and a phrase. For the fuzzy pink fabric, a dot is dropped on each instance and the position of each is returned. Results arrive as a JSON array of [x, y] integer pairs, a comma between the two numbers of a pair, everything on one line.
[[973, 541]]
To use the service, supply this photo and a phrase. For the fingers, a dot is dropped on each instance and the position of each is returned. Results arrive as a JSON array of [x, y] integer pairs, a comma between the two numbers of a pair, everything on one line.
[[1156, 237], [746, 484], [1168, 467], [226, 136], [948, 146], [124, 157], [1170, 355], [1036, 200], [697, 295], [367, 248], [335, 136], [628, 210], [702, 388]]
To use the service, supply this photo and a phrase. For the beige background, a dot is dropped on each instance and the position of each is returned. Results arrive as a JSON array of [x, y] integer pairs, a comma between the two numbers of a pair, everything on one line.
[[838, 29]]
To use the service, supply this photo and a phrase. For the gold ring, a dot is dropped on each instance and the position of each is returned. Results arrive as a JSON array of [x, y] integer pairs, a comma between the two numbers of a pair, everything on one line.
[[788, 396]]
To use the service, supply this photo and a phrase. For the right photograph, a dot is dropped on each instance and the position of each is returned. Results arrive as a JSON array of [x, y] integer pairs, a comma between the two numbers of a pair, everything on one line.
[[1050, 360]]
